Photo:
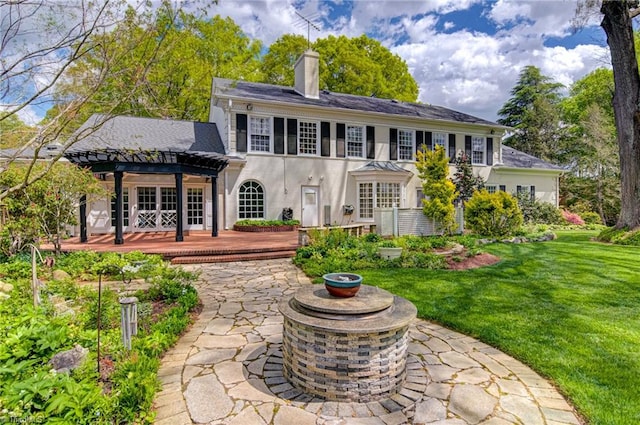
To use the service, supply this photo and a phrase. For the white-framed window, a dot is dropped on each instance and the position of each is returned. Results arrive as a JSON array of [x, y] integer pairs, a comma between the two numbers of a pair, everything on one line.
[[478, 149], [195, 206], [491, 188], [260, 134], [528, 190], [251, 202], [373, 194], [365, 200], [355, 141], [419, 197], [125, 208], [406, 143], [439, 139], [308, 137]]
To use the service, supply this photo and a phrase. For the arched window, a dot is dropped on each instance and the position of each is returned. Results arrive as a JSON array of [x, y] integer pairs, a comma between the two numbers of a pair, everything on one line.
[[251, 200]]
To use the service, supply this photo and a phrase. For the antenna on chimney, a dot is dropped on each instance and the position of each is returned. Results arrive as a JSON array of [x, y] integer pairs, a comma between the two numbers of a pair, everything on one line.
[[310, 24]]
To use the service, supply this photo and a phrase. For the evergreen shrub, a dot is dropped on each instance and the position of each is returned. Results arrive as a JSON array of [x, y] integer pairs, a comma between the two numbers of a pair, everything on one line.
[[492, 214]]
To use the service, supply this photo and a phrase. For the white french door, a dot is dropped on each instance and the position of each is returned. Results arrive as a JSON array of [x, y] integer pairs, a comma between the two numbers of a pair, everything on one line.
[[157, 208]]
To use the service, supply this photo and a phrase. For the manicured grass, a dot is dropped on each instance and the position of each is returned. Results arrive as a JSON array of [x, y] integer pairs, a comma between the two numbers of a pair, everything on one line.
[[569, 308]]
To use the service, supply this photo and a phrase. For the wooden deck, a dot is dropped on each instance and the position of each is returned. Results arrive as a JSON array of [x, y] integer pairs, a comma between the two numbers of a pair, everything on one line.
[[197, 247]]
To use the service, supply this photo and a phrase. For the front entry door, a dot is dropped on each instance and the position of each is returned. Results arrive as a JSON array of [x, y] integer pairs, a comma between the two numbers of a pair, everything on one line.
[[310, 206]]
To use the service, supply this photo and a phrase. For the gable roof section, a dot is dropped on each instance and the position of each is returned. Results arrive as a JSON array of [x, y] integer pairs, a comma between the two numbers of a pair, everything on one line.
[[147, 143], [513, 158], [281, 94]]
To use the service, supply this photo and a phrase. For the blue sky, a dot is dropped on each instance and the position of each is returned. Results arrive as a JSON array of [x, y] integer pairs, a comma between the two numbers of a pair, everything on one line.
[[464, 54]]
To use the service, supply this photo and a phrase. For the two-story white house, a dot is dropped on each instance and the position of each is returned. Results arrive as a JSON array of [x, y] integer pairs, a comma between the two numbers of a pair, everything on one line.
[[330, 158], [317, 151]]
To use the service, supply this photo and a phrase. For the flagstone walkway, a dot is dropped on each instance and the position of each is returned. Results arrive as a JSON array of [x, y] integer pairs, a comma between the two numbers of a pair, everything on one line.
[[227, 369]]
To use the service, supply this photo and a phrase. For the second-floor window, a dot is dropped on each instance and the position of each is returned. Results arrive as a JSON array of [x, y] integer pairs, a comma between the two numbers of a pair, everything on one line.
[[405, 145], [308, 138], [260, 140], [478, 147], [355, 141]]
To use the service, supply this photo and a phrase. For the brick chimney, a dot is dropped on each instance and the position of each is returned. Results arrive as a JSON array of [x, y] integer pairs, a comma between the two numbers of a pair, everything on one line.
[[307, 75]]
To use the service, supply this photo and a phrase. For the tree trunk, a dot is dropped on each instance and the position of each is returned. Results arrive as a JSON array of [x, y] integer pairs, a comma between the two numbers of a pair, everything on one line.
[[617, 24]]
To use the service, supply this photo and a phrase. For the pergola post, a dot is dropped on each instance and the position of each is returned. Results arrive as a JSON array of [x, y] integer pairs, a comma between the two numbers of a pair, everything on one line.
[[214, 206], [83, 219], [117, 176], [180, 221]]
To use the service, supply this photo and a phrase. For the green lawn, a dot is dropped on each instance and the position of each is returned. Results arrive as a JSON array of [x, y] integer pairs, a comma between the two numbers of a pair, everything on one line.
[[569, 308]]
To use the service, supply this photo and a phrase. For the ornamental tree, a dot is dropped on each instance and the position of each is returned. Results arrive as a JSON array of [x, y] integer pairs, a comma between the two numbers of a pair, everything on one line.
[[45, 208], [466, 183], [439, 191]]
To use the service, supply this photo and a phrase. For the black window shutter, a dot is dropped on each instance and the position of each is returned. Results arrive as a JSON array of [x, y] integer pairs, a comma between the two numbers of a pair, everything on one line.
[[292, 136], [452, 147], [467, 147], [428, 140], [278, 136], [518, 189], [393, 144], [489, 150], [241, 132], [419, 140], [533, 193], [503, 188], [371, 142], [340, 134], [325, 139]]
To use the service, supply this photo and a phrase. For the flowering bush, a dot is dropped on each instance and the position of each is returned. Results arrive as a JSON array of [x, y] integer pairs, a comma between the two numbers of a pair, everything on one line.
[[572, 218]]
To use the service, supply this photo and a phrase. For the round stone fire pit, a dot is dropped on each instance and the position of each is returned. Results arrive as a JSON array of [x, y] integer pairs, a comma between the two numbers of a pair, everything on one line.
[[346, 349]]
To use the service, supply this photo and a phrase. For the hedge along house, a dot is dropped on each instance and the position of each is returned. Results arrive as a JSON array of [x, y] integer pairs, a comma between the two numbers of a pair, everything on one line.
[[160, 172], [333, 158]]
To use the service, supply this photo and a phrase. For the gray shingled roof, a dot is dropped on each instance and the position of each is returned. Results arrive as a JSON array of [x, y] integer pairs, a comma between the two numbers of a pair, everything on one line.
[[268, 92], [135, 133], [513, 158], [382, 166]]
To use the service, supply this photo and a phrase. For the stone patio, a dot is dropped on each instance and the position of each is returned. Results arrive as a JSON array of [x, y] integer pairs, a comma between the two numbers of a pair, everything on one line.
[[227, 369]]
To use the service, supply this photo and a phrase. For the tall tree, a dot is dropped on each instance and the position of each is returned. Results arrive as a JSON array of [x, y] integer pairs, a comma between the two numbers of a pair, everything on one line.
[[189, 51], [591, 150], [618, 25], [68, 32], [277, 64], [532, 111], [360, 66]]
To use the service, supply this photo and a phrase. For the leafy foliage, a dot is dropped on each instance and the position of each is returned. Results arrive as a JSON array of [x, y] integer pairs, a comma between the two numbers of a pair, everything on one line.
[[334, 250], [439, 191], [535, 211], [360, 66], [492, 214], [28, 388], [266, 223], [188, 50], [46, 207]]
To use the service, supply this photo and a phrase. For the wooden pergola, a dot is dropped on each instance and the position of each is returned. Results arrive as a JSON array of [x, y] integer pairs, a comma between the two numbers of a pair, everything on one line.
[[178, 163]]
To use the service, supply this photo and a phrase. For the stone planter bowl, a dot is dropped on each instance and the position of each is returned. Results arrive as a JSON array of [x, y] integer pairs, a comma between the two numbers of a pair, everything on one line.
[[342, 285]]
